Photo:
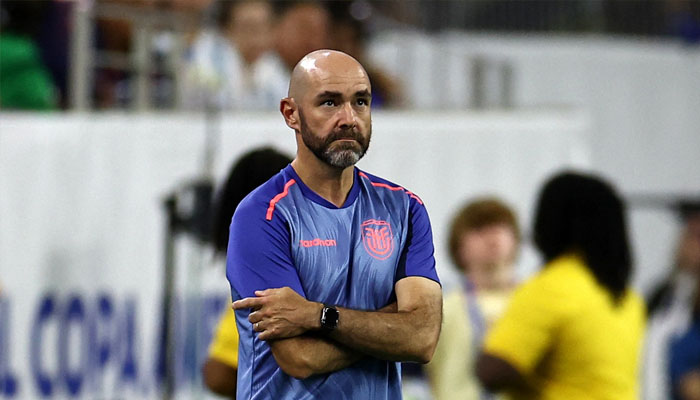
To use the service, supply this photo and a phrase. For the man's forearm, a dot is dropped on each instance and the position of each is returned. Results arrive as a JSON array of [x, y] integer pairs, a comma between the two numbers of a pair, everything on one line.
[[406, 335], [308, 354], [312, 354]]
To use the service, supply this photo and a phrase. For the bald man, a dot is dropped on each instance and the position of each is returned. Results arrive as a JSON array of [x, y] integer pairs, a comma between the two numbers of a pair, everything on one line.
[[331, 268]]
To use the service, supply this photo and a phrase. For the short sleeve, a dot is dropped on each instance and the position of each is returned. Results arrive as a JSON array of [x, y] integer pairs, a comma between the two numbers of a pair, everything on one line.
[[259, 252], [224, 345], [418, 255], [524, 333]]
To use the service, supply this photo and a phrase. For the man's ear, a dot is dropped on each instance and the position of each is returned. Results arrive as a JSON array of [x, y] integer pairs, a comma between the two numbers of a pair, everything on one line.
[[290, 112]]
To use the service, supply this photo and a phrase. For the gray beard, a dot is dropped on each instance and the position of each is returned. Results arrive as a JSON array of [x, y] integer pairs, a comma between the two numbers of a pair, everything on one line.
[[342, 158], [341, 155]]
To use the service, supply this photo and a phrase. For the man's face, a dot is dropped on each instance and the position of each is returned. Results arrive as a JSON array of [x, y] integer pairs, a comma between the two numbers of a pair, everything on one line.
[[335, 117], [340, 148]]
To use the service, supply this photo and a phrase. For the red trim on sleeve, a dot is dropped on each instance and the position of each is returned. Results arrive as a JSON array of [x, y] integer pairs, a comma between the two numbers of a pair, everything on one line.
[[384, 185], [280, 196]]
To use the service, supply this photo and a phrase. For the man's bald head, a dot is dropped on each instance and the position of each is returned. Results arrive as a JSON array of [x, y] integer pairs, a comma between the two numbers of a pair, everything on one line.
[[322, 66], [329, 108]]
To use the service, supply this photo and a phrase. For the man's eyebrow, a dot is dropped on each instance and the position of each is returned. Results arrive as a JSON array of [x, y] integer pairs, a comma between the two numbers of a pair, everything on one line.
[[363, 93], [328, 93]]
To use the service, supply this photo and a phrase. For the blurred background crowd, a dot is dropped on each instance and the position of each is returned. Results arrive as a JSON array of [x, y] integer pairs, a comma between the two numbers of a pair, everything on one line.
[[173, 54], [629, 69]]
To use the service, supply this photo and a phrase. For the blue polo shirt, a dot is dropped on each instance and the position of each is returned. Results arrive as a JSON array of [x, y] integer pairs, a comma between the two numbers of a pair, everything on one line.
[[284, 234]]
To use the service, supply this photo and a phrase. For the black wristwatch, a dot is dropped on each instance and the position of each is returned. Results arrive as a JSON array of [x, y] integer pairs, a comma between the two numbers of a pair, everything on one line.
[[329, 318]]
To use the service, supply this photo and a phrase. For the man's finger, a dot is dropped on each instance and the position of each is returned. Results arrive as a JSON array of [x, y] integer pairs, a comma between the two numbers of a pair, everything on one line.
[[255, 317], [267, 334], [248, 302], [266, 292]]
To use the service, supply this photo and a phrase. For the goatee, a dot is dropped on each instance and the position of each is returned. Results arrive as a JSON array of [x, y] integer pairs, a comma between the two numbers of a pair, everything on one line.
[[341, 154]]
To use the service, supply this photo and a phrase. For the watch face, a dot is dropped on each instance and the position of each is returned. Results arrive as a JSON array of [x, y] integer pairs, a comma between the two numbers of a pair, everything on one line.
[[329, 318]]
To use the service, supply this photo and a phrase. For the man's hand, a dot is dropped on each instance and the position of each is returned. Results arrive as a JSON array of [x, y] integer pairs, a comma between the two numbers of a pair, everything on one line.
[[280, 313]]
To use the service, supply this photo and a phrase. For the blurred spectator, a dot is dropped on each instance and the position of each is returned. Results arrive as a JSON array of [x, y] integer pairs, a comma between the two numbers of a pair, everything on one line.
[[574, 330], [245, 62], [302, 27], [349, 34], [685, 358], [250, 171], [231, 67], [224, 59], [219, 371], [671, 304], [25, 82], [483, 245]]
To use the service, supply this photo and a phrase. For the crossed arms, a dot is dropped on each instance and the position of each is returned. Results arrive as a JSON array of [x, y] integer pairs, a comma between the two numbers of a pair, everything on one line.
[[407, 330], [259, 256]]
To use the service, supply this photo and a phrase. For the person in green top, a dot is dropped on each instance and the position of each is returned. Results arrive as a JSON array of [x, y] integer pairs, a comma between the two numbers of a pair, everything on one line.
[[25, 83]]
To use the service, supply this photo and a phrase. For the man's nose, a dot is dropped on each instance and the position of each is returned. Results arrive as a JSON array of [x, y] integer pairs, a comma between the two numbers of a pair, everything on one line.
[[347, 117]]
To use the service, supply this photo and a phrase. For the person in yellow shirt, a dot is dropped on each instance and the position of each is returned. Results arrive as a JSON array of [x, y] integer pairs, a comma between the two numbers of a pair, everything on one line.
[[483, 244], [575, 329], [220, 369]]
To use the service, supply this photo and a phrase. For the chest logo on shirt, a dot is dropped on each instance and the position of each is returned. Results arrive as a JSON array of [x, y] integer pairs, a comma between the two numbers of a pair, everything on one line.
[[377, 238]]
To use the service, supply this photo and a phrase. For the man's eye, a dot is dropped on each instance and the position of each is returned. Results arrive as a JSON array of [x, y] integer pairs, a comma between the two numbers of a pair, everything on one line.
[[329, 103], [362, 102]]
